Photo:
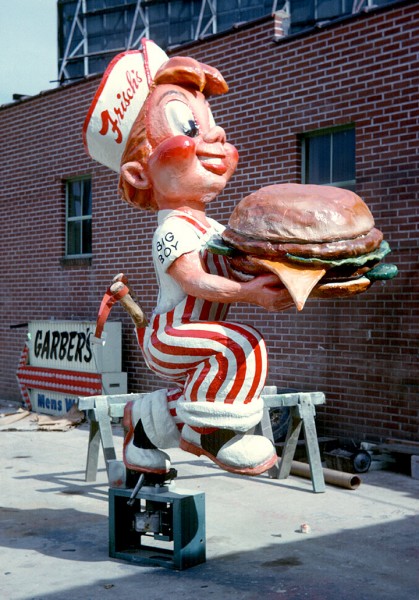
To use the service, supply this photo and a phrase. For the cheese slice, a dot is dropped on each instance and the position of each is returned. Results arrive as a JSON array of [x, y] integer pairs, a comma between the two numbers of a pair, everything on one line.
[[298, 279]]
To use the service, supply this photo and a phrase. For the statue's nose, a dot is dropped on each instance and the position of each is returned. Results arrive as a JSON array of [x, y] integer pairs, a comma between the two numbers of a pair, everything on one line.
[[215, 134]]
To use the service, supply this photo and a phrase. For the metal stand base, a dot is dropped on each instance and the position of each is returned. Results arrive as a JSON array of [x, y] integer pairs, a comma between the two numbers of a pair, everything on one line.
[[159, 527]]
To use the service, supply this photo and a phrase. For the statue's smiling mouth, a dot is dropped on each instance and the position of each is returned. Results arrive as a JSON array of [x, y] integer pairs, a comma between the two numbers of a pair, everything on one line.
[[214, 164], [214, 159]]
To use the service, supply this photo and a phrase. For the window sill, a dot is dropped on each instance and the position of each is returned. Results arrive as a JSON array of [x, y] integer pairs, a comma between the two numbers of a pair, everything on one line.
[[77, 261]]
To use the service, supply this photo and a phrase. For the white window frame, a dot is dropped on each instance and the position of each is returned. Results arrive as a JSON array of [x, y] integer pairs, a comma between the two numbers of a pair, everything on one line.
[[347, 184], [79, 218]]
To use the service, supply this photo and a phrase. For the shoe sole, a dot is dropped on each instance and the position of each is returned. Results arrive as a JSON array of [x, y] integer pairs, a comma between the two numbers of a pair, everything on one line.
[[138, 469], [252, 471]]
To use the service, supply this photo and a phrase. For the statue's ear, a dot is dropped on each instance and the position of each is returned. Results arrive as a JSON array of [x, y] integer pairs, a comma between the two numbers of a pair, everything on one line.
[[134, 175], [133, 182]]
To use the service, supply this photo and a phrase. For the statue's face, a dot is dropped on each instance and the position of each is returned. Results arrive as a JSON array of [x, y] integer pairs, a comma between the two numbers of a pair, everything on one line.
[[190, 159]]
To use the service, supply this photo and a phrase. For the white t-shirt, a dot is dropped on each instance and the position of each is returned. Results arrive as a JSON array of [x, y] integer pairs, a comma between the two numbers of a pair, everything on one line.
[[173, 238]]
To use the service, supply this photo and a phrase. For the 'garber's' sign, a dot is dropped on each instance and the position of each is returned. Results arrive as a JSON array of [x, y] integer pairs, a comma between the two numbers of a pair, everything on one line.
[[70, 346], [60, 363]]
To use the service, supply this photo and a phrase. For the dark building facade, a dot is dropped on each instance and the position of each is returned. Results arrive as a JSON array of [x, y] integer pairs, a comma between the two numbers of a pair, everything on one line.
[[336, 104]]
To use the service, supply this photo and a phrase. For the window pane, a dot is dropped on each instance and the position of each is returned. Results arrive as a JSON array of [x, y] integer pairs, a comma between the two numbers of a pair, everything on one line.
[[343, 155], [74, 198], [87, 236], [318, 159], [79, 217], [329, 9], [87, 197], [302, 12], [73, 237]]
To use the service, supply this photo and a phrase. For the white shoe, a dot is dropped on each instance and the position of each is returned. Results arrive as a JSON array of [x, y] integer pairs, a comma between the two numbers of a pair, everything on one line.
[[144, 460], [241, 453]]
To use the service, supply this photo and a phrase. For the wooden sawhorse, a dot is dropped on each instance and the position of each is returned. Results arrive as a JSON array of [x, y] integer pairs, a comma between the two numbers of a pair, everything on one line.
[[102, 409], [302, 412]]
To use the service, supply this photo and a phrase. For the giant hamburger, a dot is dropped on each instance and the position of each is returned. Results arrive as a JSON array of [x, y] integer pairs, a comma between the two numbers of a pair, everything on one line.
[[321, 241]]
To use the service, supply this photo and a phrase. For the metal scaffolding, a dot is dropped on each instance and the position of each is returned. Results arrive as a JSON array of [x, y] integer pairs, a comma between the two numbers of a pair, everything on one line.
[[92, 32], [169, 23]]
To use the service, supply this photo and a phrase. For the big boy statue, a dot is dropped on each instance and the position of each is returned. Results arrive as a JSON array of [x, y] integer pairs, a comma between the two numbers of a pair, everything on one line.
[[150, 121]]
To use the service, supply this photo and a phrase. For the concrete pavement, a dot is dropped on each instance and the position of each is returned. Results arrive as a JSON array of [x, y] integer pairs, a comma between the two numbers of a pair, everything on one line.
[[363, 544]]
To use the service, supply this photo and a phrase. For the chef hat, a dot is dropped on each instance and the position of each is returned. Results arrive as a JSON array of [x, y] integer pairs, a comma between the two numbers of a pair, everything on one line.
[[118, 101]]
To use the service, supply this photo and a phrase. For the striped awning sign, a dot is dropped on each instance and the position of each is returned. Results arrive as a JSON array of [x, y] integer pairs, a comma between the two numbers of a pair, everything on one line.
[[73, 383]]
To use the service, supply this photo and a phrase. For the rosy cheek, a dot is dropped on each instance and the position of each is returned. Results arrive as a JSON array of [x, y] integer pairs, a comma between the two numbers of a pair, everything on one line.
[[174, 151]]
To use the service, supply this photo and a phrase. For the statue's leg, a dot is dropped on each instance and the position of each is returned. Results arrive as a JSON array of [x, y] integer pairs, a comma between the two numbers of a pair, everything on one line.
[[225, 366], [241, 453], [149, 426]]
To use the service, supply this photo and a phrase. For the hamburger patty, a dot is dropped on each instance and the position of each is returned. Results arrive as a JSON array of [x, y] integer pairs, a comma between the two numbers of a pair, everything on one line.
[[243, 264]]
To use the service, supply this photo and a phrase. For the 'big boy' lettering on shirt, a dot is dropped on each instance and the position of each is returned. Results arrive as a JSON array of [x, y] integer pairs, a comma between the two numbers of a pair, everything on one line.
[[166, 245]]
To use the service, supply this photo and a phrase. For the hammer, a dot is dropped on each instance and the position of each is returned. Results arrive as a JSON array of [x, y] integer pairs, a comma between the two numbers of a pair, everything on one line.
[[129, 300]]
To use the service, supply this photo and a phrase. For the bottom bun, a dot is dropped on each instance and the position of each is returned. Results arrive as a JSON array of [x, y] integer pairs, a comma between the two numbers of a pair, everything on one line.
[[341, 289], [332, 289], [241, 276]]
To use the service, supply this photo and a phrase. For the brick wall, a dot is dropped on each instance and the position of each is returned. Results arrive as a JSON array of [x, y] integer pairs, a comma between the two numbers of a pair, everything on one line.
[[362, 353]]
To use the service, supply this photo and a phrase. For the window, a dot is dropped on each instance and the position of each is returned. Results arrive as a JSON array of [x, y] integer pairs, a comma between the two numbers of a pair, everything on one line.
[[79, 217], [306, 14], [328, 158]]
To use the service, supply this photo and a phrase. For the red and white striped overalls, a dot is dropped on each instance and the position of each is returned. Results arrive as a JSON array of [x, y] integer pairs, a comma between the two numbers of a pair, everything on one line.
[[219, 367]]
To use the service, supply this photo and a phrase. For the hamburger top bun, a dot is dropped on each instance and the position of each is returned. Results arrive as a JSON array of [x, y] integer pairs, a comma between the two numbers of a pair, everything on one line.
[[293, 212]]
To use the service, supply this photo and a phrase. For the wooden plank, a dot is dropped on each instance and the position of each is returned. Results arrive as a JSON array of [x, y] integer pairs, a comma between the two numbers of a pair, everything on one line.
[[399, 449], [403, 442], [116, 410], [86, 403], [265, 429], [103, 418], [92, 450], [288, 400], [290, 445], [312, 446]]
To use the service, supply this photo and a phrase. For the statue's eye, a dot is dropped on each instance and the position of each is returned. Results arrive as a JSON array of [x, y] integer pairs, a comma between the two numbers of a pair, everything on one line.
[[181, 119], [192, 129]]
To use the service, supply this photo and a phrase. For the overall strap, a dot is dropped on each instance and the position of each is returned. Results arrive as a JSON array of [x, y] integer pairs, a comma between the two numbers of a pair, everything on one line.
[[192, 221]]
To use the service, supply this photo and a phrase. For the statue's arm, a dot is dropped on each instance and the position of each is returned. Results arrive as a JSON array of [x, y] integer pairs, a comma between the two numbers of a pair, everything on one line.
[[265, 290]]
